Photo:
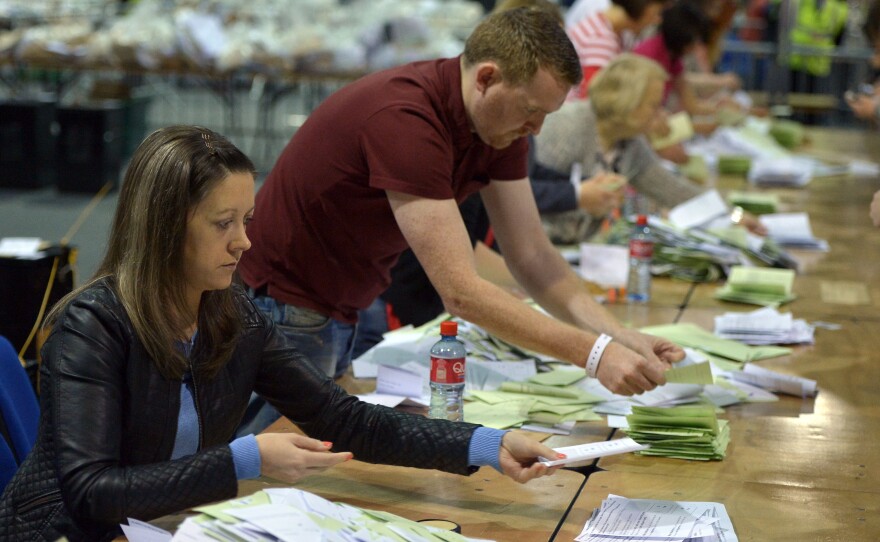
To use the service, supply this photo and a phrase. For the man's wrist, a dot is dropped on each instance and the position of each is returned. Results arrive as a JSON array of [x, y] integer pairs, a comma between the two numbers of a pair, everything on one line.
[[596, 354]]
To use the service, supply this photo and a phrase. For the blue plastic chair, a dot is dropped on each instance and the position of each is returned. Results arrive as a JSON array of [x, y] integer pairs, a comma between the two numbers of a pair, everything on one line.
[[20, 411]]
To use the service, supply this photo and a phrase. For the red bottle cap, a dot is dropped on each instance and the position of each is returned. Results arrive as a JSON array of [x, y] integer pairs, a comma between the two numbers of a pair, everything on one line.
[[642, 220], [448, 327]]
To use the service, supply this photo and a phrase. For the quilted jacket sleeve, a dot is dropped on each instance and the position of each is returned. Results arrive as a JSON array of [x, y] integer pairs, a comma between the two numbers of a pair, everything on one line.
[[374, 434], [86, 360]]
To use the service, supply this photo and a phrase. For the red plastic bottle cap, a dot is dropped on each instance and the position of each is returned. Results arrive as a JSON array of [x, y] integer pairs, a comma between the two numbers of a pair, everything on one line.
[[642, 220], [448, 327]]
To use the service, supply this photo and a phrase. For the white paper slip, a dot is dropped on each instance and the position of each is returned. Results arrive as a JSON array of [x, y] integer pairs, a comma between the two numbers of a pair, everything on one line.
[[698, 210], [771, 380], [592, 450], [141, 531]]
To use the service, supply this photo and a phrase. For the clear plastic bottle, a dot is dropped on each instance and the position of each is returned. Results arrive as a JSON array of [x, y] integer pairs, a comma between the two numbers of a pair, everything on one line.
[[641, 252], [447, 374]]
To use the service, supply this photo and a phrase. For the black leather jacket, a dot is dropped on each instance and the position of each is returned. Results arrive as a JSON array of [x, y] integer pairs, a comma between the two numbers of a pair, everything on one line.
[[109, 421]]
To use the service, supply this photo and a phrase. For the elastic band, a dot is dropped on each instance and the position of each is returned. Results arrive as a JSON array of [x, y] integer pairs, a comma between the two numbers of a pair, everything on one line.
[[596, 354]]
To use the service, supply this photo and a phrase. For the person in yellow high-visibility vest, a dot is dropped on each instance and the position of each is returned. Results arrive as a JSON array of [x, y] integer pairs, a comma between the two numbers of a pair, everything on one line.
[[818, 24]]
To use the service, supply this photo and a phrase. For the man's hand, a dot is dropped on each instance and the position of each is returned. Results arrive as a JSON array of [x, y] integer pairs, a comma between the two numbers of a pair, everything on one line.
[[518, 457], [289, 457], [875, 209], [635, 362], [602, 193], [752, 223], [863, 106]]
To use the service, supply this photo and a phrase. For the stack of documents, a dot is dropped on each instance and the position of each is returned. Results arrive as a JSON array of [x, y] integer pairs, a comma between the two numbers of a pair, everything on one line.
[[683, 432], [793, 230], [793, 171], [619, 519], [763, 326], [758, 286], [290, 515]]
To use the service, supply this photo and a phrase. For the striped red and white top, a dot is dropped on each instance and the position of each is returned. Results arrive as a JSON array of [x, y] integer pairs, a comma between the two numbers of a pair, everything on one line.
[[596, 44]]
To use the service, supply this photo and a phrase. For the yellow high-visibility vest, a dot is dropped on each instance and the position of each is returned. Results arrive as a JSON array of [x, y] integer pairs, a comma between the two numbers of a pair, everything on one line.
[[816, 27]]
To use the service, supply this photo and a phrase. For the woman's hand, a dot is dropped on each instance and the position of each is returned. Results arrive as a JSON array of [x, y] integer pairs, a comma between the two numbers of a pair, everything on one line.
[[863, 106], [518, 457], [601, 194], [289, 457]]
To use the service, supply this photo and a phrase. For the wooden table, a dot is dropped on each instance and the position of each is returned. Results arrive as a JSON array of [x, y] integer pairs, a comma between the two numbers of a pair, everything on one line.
[[760, 512]]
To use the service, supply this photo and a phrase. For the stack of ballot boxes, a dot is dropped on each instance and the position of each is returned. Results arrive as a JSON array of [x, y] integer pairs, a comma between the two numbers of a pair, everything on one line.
[[27, 143], [89, 149]]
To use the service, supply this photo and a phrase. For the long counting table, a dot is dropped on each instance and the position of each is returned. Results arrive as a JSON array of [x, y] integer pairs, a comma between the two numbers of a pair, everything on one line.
[[797, 469]]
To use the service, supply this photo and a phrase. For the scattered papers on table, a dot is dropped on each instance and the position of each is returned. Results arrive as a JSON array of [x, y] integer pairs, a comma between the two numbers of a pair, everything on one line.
[[792, 171], [632, 520], [771, 380], [793, 230], [291, 515], [763, 326], [684, 432], [696, 337], [593, 450], [758, 286], [698, 210], [606, 265]]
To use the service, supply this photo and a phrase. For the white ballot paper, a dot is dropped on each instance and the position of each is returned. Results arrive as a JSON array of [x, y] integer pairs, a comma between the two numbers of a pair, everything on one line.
[[620, 519], [592, 450], [698, 210], [771, 380]]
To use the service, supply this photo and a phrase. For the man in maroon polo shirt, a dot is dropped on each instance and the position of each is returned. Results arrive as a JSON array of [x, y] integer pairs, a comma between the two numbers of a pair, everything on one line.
[[383, 163]]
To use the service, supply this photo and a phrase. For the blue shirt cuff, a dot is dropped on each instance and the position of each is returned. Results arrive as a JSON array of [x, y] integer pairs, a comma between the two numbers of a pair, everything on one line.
[[246, 457], [484, 448]]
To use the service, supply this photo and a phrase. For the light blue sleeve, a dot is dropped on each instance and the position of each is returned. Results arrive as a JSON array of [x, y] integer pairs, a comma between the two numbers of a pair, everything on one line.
[[484, 447], [246, 457]]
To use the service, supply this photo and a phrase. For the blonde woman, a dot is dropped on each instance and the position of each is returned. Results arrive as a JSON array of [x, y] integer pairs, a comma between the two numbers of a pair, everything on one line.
[[606, 135]]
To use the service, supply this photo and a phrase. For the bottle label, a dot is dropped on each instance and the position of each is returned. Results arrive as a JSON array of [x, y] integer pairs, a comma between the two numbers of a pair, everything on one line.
[[447, 371], [640, 248]]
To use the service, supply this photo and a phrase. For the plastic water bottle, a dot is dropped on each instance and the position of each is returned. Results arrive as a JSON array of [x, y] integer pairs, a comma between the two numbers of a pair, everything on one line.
[[641, 252], [447, 374]]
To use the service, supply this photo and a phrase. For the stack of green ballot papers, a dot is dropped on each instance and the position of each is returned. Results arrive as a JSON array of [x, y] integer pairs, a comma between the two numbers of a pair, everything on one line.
[[758, 286], [754, 202], [288, 514], [548, 399], [683, 432], [693, 336]]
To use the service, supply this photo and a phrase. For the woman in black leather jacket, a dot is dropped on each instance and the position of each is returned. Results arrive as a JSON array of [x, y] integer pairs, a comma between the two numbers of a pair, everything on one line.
[[149, 368]]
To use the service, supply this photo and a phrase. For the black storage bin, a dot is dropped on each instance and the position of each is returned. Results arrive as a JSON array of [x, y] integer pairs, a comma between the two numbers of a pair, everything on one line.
[[23, 283], [90, 144], [27, 146]]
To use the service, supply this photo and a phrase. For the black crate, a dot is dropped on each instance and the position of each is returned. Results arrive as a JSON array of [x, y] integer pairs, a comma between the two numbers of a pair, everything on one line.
[[90, 146], [27, 145], [23, 284]]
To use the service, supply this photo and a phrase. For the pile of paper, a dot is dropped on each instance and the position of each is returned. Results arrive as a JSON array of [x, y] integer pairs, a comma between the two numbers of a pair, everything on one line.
[[758, 286], [619, 519], [793, 171], [290, 515], [548, 402], [683, 432], [763, 326]]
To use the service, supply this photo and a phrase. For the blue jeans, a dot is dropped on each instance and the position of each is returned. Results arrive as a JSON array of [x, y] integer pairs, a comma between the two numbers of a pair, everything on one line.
[[372, 323], [325, 342]]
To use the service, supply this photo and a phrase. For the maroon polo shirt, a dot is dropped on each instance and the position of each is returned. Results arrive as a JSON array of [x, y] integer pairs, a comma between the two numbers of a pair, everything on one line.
[[323, 234]]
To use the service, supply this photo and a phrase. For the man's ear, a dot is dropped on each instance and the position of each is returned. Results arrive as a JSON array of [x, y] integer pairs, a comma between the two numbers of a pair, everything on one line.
[[486, 75]]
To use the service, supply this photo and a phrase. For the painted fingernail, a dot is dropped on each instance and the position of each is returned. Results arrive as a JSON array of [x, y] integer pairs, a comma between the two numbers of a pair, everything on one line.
[[561, 456], [350, 457]]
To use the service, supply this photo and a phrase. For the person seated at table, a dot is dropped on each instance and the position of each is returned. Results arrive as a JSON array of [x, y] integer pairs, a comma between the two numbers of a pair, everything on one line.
[[606, 136], [149, 367], [865, 104], [682, 28], [602, 35]]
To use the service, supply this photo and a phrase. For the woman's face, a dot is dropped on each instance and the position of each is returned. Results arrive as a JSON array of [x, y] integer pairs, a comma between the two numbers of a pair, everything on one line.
[[216, 235], [642, 116]]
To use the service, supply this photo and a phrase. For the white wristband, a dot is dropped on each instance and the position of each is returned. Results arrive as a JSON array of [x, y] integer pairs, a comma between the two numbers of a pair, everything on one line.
[[596, 354]]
